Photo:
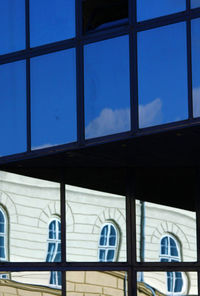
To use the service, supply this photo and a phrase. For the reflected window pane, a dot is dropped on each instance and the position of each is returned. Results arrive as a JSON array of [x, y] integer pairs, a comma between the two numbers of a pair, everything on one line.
[[53, 99], [163, 97], [150, 9], [33, 283], [99, 15], [30, 205], [167, 283], [97, 283], [195, 27], [51, 21], [12, 25], [90, 218], [13, 108], [107, 98], [165, 234], [195, 3]]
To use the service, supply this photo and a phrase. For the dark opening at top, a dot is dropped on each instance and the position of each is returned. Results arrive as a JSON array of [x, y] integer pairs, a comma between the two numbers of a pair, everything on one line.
[[102, 14]]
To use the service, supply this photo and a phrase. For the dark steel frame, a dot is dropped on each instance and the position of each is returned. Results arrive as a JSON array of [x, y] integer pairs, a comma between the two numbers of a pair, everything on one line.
[[131, 266]]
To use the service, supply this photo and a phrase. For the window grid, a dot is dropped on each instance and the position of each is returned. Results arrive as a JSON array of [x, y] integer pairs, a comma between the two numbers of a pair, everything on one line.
[[108, 243]]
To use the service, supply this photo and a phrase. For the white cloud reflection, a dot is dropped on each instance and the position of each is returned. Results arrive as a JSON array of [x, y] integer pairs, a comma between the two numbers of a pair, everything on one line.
[[196, 101], [109, 122], [150, 114], [115, 121]]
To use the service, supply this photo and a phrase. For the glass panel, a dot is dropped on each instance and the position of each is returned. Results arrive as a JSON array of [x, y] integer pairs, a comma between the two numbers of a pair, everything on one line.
[[161, 59], [195, 3], [87, 212], [35, 283], [13, 108], [51, 21], [110, 283], [195, 27], [165, 234], [53, 99], [30, 205], [12, 25], [107, 99], [167, 283], [99, 15], [150, 9]]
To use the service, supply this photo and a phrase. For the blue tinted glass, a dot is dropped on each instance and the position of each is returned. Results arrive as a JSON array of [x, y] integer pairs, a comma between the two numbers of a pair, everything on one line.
[[1, 217], [59, 275], [173, 247], [164, 246], [53, 278], [13, 108], [53, 99], [58, 254], [110, 255], [195, 27], [178, 282], [50, 253], [51, 21], [107, 100], [2, 247], [195, 3], [154, 8], [161, 59], [112, 238], [52, 230], [102, 255], [12, 25], [103, 238]]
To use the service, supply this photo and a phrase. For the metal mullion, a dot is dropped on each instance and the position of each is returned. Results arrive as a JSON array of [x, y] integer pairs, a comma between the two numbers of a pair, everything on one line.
[[63, 234]]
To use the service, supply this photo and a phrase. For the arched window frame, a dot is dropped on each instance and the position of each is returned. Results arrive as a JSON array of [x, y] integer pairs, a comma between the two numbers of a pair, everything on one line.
[[108, 247], [4, 235], [55, 276], [172, 277]]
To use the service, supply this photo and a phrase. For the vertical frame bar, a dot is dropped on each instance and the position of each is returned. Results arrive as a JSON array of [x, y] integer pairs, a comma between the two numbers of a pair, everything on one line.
[[28, 103], [63, 234], [189, 61]]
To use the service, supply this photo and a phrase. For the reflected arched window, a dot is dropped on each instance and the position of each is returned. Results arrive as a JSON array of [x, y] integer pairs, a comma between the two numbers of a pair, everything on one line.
[[170, 252], [54, 250], [3, 236], [108, 243]]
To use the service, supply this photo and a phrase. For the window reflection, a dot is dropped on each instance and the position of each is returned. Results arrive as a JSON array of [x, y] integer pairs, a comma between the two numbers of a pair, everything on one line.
[[150, 9], [53, 99], [165, 234], [195, 3], [102, 14], [12, 25], [51, 21], [13, 108], [107, 98], [161, 59], [195, 27], [167, 283]]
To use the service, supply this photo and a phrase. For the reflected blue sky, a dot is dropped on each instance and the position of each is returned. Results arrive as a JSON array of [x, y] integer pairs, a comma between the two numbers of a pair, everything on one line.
[[13, 108], [53, 99], [51, 21], [162, 75], [195, 28], [12, 25], [195, 3], [107, 99], [147, 9]]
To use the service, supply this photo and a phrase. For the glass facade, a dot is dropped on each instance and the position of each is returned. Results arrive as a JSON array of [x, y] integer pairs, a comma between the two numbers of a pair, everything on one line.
[[87, 73]]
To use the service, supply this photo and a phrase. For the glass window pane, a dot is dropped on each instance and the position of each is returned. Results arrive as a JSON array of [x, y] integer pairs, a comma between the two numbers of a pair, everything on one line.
[[12, 25], [150, 9], [13, 108], [195, 27], [161, 59], [107, 98], [110, 283], [30, 205], [155, 222], [167, 283], [99, 15], [87, 211], [53, 99], [51, 21], [195, 3], [35, 283]]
